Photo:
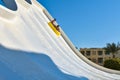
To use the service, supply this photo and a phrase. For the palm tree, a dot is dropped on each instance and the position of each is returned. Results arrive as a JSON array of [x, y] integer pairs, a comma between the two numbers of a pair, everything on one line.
[[112, 48]]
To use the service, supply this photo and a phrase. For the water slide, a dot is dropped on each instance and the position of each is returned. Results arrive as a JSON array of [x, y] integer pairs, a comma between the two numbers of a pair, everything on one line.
[[31, 47]]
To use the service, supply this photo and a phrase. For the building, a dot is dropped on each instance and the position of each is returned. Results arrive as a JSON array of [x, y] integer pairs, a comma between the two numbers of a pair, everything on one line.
[[97, 55], [118, 54]]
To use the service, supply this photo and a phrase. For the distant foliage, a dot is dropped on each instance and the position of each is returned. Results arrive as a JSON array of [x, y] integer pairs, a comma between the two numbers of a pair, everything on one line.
[[112, 48], [112, 64]]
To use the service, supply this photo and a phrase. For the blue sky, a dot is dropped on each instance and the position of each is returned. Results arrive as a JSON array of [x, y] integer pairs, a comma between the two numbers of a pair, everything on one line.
[[88, 23]]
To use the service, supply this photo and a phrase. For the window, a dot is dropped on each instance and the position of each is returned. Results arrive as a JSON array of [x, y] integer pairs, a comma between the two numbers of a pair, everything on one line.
[[88, 53], [89, 58], [83, 52], [93, 52], [100, 60], [100, 52], [107, 53], [94, 60]]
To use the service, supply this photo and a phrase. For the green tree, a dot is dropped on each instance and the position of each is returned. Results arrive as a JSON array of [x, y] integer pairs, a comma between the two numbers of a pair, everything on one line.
[[112, 63], [112, 48]]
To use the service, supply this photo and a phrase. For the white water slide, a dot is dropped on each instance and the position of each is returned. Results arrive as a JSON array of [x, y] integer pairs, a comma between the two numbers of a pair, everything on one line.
[[31, 48]]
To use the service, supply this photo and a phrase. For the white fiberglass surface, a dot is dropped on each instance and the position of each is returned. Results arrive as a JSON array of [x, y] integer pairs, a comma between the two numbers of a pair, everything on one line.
[[30, 50]]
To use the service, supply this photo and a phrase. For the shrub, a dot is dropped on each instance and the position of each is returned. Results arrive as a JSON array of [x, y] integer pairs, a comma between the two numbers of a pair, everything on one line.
[[112, 63]]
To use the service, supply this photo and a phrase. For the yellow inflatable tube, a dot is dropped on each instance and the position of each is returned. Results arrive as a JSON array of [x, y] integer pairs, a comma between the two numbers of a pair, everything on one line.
[[54, 29]]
